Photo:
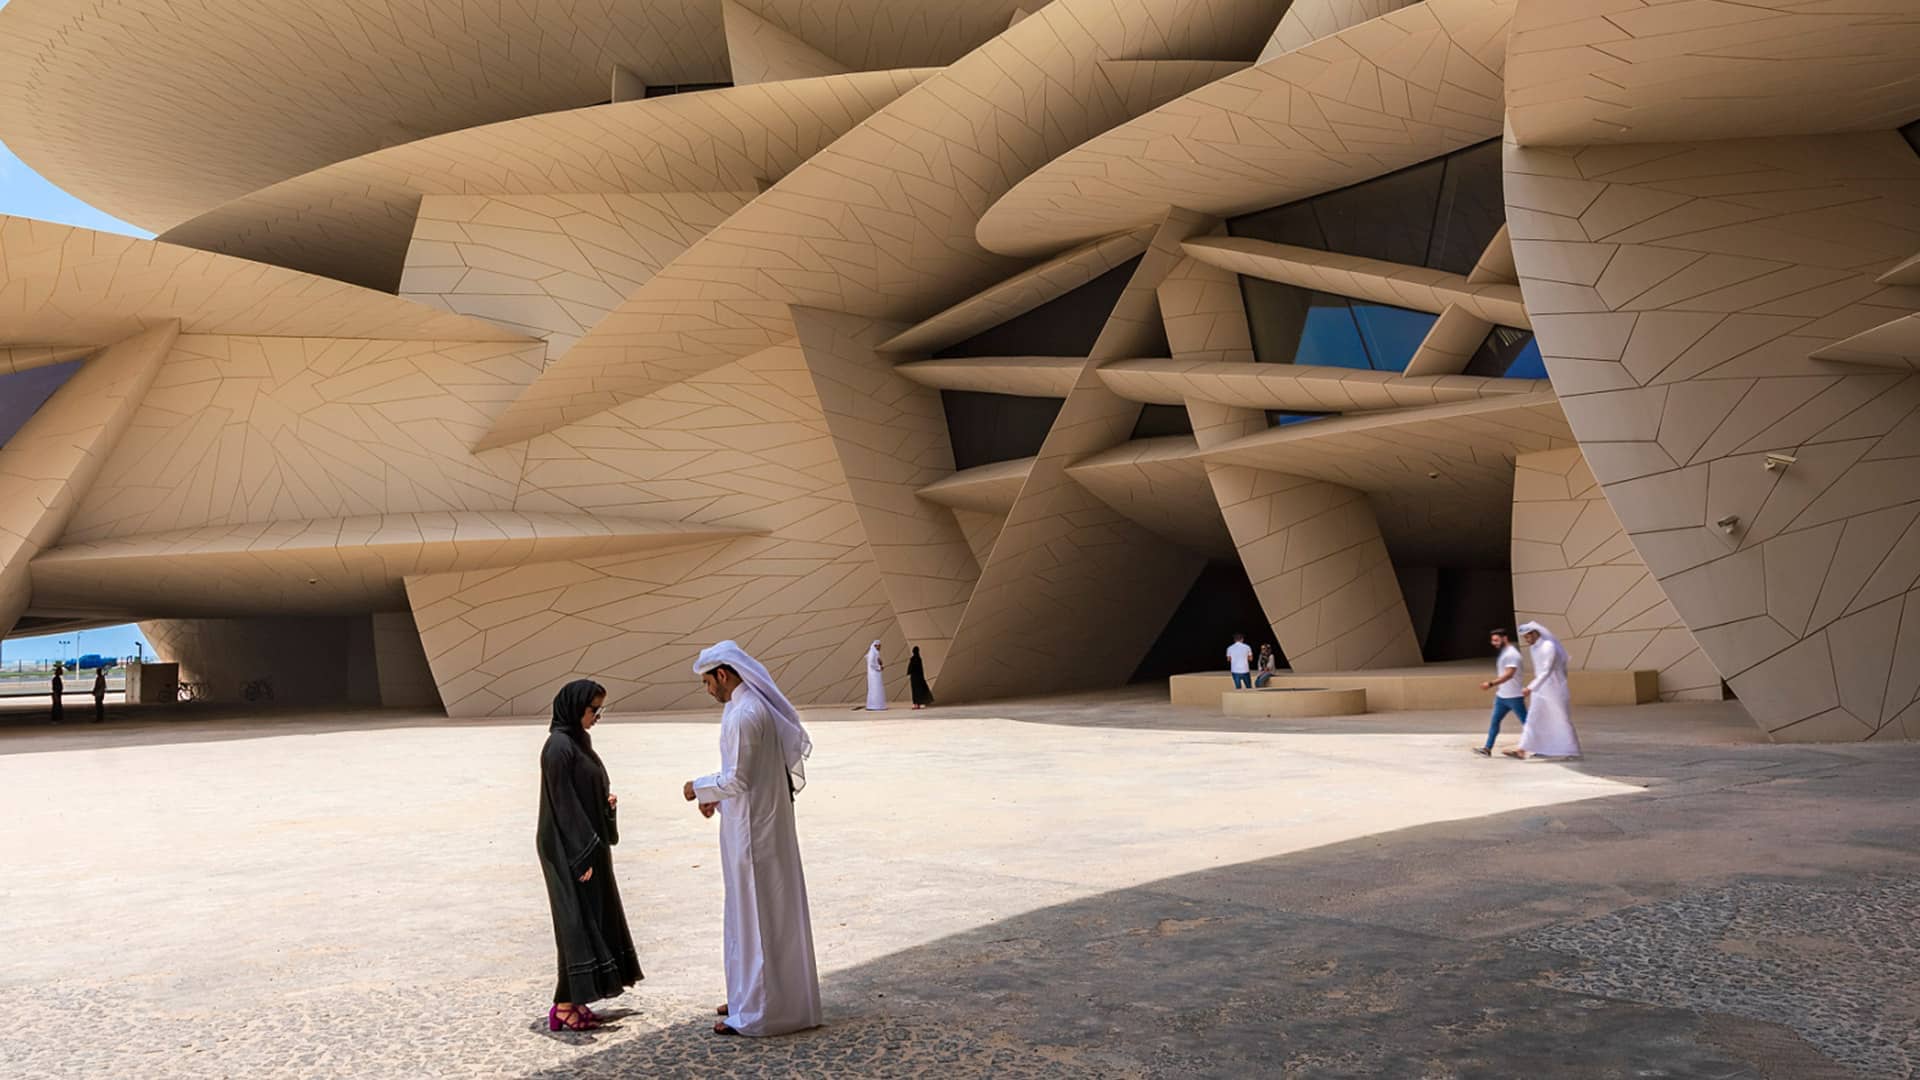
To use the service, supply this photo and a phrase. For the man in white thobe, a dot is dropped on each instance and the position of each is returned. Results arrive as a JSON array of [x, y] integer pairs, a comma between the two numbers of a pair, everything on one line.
[[876, 684], [772, 986], [1549, 728]]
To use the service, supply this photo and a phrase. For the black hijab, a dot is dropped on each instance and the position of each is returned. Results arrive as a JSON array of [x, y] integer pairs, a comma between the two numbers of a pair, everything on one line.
[[570, 707]]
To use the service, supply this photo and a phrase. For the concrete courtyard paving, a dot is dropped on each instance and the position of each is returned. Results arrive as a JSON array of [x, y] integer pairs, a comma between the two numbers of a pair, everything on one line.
[[1095, 886]]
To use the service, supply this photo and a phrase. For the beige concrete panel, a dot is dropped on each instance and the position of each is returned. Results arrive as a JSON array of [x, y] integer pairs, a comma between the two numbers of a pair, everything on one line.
[[1415, 287], [502, 641], [984, 489], [256, 429], [1638, 71], [1307, 21], [1496, 263], [352, 220], [52, 461], [1455, 337], [1387, 93], [1205, 315], [745, 446], [890, 434], [406, 680], [899, 242], [758, 51], [1894, 344], [1162, 485], [982, 530], [1048, 587], [1436, 476], [328, 566], [65, 286], [1022, 292], [1314, 553], [550, 266], [1907, 273], [1576, 571], [1302, 387], [25, 357], [1023, 376], [1729, 266], [186, 125]]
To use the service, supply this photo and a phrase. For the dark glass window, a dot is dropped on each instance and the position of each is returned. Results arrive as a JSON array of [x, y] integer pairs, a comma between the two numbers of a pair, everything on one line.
[[1300, 326], [1440, 214], [1158, 421], [1067, 325], [23, 392], [985, 428], [683, 88], [1508, 352]]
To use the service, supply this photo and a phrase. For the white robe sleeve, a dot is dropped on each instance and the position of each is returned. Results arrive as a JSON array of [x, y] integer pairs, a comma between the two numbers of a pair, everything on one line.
[[735, 766], [1540, 670]]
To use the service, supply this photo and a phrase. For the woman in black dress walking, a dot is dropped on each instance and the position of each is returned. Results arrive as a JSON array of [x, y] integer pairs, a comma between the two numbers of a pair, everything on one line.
[[917, 681], [576, 835]]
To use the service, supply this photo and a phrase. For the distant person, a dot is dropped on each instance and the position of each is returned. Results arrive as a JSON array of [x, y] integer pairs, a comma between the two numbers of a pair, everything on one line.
[[876, 683], [1266, 666], [1549, 729], [59, 711], [1509, 695], [575, 840], [917, 680], [1240, 662], [100, 693]]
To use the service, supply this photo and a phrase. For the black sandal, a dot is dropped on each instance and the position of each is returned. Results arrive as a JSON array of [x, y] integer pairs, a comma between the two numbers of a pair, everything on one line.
[[723, 1029]]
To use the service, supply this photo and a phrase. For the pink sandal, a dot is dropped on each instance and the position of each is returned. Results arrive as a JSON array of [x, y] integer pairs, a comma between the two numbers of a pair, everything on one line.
[[577, 1018]]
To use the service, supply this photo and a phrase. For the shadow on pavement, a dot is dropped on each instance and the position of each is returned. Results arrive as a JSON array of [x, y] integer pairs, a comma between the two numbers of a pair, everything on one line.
[[1419, 953]]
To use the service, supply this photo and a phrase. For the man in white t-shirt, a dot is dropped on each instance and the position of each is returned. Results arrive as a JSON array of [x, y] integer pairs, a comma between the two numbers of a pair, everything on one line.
[[1509, 690], [1240, 662]]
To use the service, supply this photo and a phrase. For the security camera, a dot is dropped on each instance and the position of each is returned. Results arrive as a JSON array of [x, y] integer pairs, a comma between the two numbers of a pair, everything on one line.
[[1778, 462], [1728, 522]]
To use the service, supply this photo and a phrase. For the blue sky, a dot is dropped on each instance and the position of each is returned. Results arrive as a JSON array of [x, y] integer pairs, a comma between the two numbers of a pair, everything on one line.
[[107, 641]]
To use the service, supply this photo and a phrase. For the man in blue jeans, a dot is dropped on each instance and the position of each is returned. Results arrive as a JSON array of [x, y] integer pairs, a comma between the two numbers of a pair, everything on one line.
[[1240, 662], [1509, 693]]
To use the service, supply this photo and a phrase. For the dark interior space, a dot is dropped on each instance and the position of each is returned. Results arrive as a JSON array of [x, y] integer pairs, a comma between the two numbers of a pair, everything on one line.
[[985, 428], [1160, 421], [1467, 603], [1439, 214], [1064, 326], [1221, 603]]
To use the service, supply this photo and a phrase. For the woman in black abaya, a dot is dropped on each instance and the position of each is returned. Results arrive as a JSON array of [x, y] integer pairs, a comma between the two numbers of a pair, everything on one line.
[[575, 840], [917, 680]]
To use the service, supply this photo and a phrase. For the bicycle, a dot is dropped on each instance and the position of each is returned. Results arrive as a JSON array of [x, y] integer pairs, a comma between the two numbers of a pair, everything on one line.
[[191, 691], [257, 690]]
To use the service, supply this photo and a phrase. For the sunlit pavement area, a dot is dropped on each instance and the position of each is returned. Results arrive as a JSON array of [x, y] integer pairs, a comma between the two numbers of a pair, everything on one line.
[[1095, 886]]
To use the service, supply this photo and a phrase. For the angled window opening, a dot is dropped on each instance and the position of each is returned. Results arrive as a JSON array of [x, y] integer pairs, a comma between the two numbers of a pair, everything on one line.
[[1507, 353], [653, 91], [1160, 421], [1290, 325], [986, 428], [1067, 325], [1289, 417], [1440, 214], [23, 392]]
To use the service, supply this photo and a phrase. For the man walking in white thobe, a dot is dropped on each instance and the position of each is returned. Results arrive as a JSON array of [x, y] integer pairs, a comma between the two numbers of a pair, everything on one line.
[[1549, 728], [772, 986]]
